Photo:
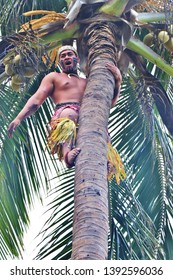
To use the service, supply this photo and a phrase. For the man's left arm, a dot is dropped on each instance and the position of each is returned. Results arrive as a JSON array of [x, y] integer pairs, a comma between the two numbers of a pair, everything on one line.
[[118, 79]]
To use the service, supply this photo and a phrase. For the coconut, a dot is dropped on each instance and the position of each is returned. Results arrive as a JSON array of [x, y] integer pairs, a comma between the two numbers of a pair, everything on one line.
[[15, 87], [7, 59], [41, 67], [17, 59], [148, 39], [163, 36], [17, 79], [28, 72], [9, 70], [169, 44]]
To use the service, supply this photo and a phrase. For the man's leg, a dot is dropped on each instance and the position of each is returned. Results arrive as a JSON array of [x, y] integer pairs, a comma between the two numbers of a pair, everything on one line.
[[69, 155], [69, 152]]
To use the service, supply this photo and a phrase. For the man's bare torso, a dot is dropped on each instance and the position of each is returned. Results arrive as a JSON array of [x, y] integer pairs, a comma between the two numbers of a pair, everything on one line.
[[67, 88]]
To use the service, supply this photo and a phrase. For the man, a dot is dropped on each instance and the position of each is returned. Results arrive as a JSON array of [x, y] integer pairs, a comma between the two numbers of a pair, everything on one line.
[[66, 89]]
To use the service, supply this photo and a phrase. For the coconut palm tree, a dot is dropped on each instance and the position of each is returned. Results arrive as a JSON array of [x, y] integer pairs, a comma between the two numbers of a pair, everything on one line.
[[140, 208]]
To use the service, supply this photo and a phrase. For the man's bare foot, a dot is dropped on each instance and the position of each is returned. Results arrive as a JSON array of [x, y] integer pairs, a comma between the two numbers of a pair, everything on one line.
[[111, 170], [71, 156]]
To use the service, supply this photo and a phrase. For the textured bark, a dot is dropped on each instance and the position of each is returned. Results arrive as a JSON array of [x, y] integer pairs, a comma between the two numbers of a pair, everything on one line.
[[90, 226]]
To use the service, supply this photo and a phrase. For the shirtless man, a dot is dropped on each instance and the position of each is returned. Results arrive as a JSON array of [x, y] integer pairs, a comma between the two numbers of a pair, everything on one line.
[[66, 90]]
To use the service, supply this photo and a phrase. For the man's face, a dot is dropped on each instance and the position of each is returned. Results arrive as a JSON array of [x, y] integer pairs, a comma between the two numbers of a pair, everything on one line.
[[68, 61]]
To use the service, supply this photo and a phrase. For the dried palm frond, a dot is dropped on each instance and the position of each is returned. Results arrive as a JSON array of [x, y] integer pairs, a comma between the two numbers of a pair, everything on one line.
[[37, 23], [38, 12]]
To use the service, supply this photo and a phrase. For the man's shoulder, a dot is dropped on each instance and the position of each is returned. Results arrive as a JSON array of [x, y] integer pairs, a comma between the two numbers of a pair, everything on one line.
[[83, 80], [54, 75]]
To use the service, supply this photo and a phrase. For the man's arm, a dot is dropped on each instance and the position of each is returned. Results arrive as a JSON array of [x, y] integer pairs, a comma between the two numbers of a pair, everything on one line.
[[118, 79], [33, 103]]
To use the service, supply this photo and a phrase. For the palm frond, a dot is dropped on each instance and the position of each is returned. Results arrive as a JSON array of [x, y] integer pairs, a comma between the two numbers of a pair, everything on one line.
[[57, 233], [12, 12], [140, 134], [24, 166], [130, 225], [154, 87]]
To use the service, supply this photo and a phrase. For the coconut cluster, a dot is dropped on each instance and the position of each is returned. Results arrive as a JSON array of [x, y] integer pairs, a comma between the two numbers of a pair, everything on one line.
[[164, 37], [18, 68]]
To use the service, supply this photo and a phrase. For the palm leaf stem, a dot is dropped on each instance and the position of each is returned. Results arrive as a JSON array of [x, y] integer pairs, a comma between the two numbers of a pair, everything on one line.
[[140, 48], [150, 17]]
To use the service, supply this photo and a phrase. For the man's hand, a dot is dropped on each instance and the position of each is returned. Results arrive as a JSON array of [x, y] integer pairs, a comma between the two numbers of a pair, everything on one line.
[[12, 127], [116, 73], [118, 79]]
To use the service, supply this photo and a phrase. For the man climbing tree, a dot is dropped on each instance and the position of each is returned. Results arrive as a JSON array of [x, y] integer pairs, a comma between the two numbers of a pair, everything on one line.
[[141, 126], [66, 90]]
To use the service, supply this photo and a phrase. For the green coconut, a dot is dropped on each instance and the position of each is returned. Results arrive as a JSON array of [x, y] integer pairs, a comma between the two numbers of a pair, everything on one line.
[[7, 59], [163, 36], [169, 44], [17, 59], [9, 70], [148, 39], [17, 79], [28, 72], [15, 87]]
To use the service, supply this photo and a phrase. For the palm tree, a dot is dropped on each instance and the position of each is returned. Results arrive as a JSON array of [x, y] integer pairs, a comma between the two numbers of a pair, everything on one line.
[[140, 207]]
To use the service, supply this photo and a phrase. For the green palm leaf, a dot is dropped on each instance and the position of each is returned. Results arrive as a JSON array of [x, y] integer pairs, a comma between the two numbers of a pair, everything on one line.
[[58, 241], [148, 150], [24, 167]]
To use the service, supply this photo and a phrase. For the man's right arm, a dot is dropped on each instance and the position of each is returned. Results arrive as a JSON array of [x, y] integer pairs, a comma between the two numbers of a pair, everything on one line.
[[33, 103]]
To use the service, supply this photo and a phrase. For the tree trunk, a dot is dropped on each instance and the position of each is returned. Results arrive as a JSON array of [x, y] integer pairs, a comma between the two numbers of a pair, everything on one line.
[[90, 225]]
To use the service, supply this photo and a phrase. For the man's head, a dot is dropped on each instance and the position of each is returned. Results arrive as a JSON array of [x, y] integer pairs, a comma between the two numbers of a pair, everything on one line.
[[68, 59]]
